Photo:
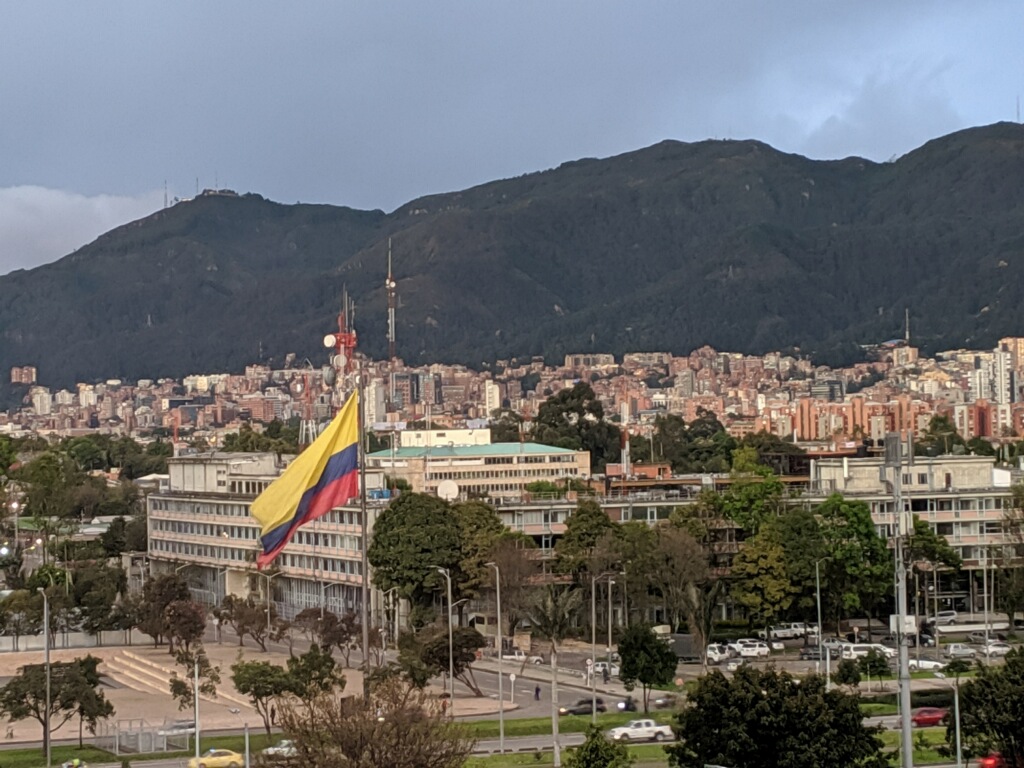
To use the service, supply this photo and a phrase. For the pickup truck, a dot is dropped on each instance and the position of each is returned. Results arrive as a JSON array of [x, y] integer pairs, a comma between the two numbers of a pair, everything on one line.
[[516, 655], [641, 730], [786, 631]]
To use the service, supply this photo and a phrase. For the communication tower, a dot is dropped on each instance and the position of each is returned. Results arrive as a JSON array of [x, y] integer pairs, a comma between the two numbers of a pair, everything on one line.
[[389, 286]]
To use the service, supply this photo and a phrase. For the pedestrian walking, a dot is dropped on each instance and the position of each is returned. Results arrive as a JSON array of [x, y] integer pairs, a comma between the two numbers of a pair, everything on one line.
[[536, 693]]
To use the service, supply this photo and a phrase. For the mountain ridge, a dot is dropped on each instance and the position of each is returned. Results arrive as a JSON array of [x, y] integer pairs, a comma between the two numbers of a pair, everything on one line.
[[731, 243]]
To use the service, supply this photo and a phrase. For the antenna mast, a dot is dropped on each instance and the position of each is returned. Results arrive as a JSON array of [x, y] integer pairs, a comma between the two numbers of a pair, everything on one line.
[[389, 286], [906, 315]]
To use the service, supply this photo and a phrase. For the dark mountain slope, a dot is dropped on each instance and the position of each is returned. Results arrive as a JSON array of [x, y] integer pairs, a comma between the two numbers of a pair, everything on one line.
[[723, 242]]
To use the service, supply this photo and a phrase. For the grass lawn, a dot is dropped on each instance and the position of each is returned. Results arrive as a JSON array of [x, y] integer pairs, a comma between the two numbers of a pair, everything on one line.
[[536, 726], [647, 756], [926, 740], [34, 757], [875, 709]]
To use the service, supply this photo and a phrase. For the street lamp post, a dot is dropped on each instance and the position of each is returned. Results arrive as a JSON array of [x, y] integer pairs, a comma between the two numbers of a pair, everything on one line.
[[501, 691], [269, 577], [956, 717], [451, 642], [611, 583], [821, 627], [593, 641], [46, 663]]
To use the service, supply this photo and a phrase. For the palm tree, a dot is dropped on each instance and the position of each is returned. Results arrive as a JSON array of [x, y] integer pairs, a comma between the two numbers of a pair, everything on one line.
[[552, 618]]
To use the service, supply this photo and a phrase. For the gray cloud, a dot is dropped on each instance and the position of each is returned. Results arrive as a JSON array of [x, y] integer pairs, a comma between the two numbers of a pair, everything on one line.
[[38, 225], [374, 104]]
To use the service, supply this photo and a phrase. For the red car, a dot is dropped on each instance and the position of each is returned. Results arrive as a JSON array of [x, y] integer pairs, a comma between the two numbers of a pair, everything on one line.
[[994, 760], [927, 716]]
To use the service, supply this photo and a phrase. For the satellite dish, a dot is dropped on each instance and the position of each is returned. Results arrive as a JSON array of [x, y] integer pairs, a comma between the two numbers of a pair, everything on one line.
[[328, 374], [329, 340], [339, 361], [297, 387], [448, 490]]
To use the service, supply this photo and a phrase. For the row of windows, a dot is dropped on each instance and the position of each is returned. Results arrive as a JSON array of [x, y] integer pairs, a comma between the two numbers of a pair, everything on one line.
[[217, 509], [566, 458], [487, 475], [320, 564], [331, 541]]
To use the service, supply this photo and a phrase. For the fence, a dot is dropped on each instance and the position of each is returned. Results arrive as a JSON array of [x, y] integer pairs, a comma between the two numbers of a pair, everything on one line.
[[12, 643], [135, 737]]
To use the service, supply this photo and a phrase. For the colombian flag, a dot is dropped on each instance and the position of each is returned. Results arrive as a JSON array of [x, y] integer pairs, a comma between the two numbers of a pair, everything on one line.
[[323, 476]]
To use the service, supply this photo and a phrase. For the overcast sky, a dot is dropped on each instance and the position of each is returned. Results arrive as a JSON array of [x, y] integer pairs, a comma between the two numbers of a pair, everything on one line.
[[372, 104]]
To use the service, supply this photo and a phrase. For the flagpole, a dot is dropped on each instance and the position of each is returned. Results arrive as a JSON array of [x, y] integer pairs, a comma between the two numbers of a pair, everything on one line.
[[364, 585]]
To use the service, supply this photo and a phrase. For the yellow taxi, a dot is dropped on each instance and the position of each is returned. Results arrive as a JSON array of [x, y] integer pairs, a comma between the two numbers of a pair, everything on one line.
[[217, 758]]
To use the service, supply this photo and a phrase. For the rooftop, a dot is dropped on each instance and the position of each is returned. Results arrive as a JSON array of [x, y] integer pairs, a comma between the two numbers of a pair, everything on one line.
[[494, 449]]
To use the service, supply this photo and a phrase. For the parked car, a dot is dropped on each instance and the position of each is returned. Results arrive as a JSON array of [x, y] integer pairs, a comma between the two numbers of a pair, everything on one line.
[[283, 748], [860, 650], [750, 649], [930, 665], [980, 638], [788, 631], [217, 758], [812, 653], [992, 760], [834, 647], [641, 730], [944, 618], [928, 716], [959, 651], [995, 648], [523, 658], [583, 707], [717, 653], [601, 666], [178, 728]]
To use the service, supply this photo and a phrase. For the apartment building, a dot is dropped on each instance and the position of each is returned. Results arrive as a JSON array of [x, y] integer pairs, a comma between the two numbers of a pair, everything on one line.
[[200, 525], [962, 498], [479, 468]]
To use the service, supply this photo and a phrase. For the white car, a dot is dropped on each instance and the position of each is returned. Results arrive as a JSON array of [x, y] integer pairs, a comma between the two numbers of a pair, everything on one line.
[[929, 665], [754, 650], [601, 666], [517, 655], [995, 648], [641, 730], [717, 653], [283, 748]]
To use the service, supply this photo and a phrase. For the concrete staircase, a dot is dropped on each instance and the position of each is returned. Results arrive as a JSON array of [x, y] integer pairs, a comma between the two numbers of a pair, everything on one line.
[[143, 674]]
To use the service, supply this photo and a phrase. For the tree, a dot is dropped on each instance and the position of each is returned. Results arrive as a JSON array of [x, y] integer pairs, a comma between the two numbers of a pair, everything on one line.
[[646, 659], [584, 528], [629, 549], [506, 426], [552, 618], [680, 563], [185, 621], [859, 565], [940, 438], [753, 499], [263, 683], [72, 692], [158, 594], [598, 752], [803, 547], [247, 617], [574, 419], [761, 582], [990, 707], [183, 687], [466, 641], [763, 718], [517, 571], [411, 538], [847, 673], [874, 664], [313, 673], [92, 704], [399, 727], [479, 530]]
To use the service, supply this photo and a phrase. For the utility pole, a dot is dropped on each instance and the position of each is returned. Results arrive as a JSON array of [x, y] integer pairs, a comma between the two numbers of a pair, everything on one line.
[[894, 460]]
